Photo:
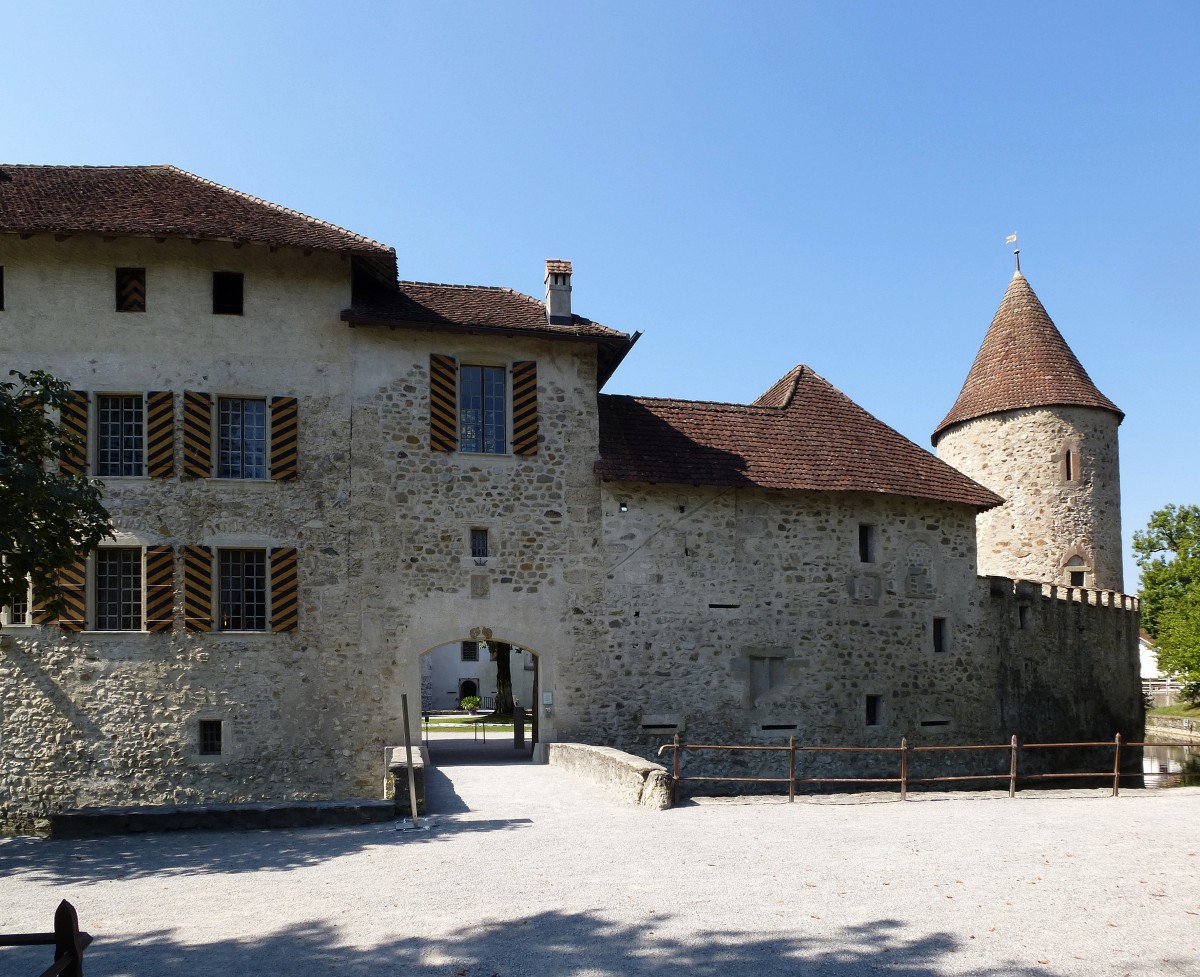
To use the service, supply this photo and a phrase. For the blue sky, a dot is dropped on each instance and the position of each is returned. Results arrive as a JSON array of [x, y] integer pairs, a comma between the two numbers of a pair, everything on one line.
[[751, 185]]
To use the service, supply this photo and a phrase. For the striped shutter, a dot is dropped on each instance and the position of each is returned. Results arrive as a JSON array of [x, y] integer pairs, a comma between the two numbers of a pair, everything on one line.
[[197, 434], [160, 434], [284, 438], [39, 613], [285, 596], [197, 588], [74, 419], [72, 586], [160, 588], [443, 402], [525, 412]]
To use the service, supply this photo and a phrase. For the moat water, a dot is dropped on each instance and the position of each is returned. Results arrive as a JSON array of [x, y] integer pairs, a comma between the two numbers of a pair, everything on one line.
[[1171, 766]]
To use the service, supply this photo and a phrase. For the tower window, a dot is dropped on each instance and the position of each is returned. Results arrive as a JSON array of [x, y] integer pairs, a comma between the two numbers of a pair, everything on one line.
[[874, 707], [1076, 572], [866, 543]]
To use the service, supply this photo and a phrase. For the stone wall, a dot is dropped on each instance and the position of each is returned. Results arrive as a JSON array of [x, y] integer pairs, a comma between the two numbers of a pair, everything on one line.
[[1046, 518]]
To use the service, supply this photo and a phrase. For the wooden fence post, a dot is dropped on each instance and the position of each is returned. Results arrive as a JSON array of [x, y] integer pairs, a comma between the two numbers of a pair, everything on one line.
[[675, 780], [903, 768], [791, 769], [1117, 767], [67, 942], [1012, 768]]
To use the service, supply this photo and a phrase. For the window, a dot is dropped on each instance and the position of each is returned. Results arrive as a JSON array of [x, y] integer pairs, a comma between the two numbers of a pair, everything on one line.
[[1, 288], [939, 635], [119, 435], [243, 590], [131, 289], [470, 651], [118, 589], [1076, 572], [866, 543], [874, 706], [210, 737], [18, 612], [479, 544], [482, 409], [242, 438], [227, 293], [1024, 617]]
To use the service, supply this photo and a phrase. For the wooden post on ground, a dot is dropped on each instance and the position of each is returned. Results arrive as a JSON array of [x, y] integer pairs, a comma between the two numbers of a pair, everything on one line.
[[1012, 768], [903, 768], [791, 769], [1117, 767], [412, 777]]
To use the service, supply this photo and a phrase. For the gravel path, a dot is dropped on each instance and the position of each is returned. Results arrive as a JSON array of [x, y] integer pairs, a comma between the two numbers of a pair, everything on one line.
[[529, 872]]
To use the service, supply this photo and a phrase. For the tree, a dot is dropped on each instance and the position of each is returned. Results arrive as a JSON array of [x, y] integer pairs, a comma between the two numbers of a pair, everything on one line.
[[47, 520], [504, 696], [1168, 551]]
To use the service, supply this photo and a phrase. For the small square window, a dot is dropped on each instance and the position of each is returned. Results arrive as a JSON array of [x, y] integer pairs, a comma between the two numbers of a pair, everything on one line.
[[874, 707], [479, 544], [866, 543], [227, 292], [210, 737], [470, 651], [131, 289]]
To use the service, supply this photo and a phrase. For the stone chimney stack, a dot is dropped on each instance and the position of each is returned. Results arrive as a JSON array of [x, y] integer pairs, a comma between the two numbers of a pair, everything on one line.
[[558, 292]]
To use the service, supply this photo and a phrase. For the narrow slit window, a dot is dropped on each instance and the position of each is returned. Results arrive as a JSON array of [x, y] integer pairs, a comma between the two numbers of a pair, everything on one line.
[[1024, 617], [1069, 464], [874, 707], [131, 289], [227, 290], [1, 288], [939, 635], [866, 543], [210, 737]]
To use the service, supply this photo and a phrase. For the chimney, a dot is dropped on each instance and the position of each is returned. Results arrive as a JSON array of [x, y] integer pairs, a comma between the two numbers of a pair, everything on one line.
[[558, 292]]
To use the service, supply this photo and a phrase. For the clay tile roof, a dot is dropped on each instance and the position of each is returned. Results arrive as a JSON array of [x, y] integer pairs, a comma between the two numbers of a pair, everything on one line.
[[468, 306], [160, 201], [802, 434], [558, 266], [1023, 362]]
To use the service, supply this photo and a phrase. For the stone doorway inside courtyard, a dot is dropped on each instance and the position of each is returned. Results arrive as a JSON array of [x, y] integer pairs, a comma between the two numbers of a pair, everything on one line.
[[451, 733]]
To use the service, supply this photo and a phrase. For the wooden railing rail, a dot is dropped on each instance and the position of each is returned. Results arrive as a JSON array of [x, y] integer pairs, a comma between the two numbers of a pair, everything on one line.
[[66, 939], [1014, 748]]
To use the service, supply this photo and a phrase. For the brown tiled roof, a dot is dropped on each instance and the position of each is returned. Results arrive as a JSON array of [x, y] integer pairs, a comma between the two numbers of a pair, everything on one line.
[[558, 266], [802, 434], [1023, 362], [160, 201], [467, 306]]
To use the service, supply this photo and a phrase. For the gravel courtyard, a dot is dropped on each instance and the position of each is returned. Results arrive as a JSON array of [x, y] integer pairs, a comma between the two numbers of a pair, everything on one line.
[[529, 872]]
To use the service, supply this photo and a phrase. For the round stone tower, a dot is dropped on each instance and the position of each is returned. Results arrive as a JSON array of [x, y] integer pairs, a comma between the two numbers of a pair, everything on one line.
[[1030, 425]]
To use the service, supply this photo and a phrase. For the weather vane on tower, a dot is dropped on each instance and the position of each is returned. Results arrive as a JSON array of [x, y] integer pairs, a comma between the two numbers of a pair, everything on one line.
[[1012, 239]]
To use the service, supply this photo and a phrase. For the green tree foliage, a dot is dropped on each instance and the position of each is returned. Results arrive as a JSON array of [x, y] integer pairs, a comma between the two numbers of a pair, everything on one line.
[[46, 519], [1168, 551]]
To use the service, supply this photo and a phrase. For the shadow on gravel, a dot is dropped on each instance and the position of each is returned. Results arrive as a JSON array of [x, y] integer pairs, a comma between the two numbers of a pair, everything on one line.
[[440, 795], [553, 943], [177, 853]]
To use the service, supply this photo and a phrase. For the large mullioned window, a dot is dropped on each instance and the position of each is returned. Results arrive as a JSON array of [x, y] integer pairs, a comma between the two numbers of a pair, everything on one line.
[[118, 589], [120, 436], [243, 580], [242, 438], [481, 409]]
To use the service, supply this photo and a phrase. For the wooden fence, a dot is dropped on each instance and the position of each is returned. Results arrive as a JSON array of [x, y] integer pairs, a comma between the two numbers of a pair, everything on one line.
[[903, 752], [66, 939]]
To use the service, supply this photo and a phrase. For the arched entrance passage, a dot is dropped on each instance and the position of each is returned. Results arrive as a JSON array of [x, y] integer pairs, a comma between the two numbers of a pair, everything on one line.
[[506, 679]]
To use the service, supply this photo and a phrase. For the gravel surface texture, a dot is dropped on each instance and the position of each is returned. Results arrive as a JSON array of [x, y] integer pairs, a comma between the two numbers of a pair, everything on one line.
[[527, 871]]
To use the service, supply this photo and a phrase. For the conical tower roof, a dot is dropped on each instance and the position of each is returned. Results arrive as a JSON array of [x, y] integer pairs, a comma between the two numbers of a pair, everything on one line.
[[1023, 362]]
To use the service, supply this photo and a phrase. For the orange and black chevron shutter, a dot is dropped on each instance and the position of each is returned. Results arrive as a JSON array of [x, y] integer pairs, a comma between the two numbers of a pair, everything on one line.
[[443, 402], [74, 418], [285, 593], [160, 433], [197, 588], [160, 588], [72, 587], [525, 412], [197, 434], [131, 289], [284, 438], [40, 613]]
